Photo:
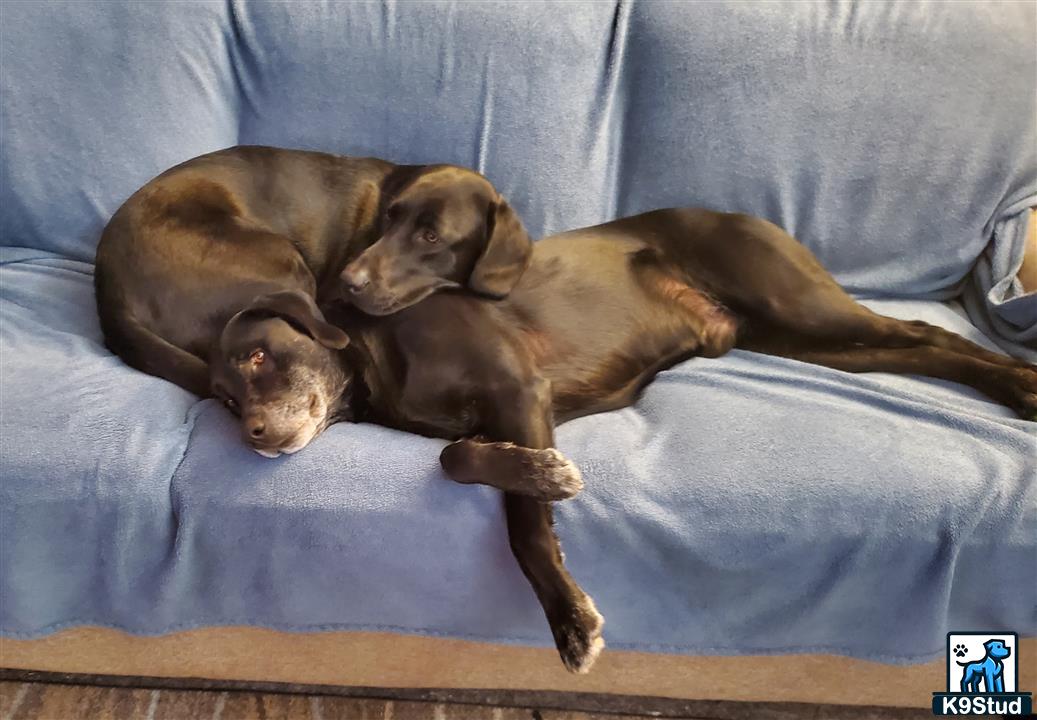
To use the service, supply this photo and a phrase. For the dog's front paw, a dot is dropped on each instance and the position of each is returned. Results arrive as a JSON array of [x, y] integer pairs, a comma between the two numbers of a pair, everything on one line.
[[577, 633], [544, 474], [554, 476]]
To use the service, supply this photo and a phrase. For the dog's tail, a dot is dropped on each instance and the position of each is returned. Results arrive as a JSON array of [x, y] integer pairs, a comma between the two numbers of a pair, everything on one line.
[[141, 348]]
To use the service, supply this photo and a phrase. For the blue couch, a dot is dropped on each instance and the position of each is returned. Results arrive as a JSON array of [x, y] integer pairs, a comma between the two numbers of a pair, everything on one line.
[[746, 505]]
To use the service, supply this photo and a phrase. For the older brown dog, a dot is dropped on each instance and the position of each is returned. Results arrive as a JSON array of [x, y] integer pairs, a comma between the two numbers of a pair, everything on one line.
[[197, 243], [586, 320]]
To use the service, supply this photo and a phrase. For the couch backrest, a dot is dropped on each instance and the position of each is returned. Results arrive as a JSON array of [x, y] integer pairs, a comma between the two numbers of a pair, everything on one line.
[[887, 137]]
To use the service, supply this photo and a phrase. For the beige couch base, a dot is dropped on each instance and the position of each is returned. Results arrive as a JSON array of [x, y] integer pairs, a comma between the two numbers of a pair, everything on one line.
[[401, 661]]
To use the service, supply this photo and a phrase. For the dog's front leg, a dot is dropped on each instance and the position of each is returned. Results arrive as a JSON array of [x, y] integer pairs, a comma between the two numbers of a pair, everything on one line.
[[543, 474], [990, 678], [518, 457], [574, 620], [519, 428]]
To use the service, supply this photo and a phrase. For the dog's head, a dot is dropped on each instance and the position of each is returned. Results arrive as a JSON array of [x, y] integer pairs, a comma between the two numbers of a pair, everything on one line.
[[442, 227], [996, 649], [277, 368]]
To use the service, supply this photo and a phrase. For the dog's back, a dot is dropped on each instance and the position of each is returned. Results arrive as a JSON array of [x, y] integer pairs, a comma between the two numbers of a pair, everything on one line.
[[200, 241]]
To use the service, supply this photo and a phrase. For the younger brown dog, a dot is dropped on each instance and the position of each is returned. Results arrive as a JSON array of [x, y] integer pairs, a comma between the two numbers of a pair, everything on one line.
[[586, 319]]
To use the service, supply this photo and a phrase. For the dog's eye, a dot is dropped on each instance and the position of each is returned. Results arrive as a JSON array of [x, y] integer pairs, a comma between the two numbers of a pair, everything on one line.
[[390, 212], [231, 405], [430, 237], [258, 357]]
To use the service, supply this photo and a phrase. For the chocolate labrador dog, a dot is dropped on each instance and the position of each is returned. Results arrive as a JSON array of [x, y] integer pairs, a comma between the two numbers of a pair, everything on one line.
[[199, 242], [522, 337], [601, 308]]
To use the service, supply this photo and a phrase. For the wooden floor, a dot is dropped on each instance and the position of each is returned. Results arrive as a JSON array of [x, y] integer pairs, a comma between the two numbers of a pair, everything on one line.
[[59, 701], [42, 701], [49, 701]]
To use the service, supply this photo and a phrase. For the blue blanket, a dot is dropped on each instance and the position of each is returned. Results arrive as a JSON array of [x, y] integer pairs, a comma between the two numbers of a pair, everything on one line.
[[746, 504]]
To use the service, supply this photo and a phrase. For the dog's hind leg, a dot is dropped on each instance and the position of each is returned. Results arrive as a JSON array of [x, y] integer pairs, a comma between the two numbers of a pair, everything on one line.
[[1014, 387], [925, 334], [882, 331], [967, 683], [802, 313], [825, 315], [782, 290]]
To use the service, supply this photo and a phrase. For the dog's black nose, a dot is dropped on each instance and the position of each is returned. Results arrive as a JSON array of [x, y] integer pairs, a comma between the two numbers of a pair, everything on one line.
[[256, 429], [356, 280]]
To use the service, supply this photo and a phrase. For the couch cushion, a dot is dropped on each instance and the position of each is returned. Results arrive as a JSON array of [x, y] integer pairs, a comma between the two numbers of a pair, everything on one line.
[[99, 97], [886, 137], [746, 504], [522, 95]]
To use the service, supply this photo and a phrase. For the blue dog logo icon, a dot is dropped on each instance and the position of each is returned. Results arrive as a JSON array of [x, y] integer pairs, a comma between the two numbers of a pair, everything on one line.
[[982, 676], [990, 671]]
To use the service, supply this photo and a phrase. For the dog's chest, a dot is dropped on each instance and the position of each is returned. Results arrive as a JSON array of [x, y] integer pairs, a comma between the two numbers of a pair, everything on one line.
[[427, 402]]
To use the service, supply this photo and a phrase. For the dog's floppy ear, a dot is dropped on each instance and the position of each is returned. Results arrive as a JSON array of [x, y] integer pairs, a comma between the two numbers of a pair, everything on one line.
[[300, 310], [506, 255]]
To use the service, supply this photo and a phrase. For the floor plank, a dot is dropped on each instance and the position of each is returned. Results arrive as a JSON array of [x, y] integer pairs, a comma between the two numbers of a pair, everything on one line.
[[51, 701]]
